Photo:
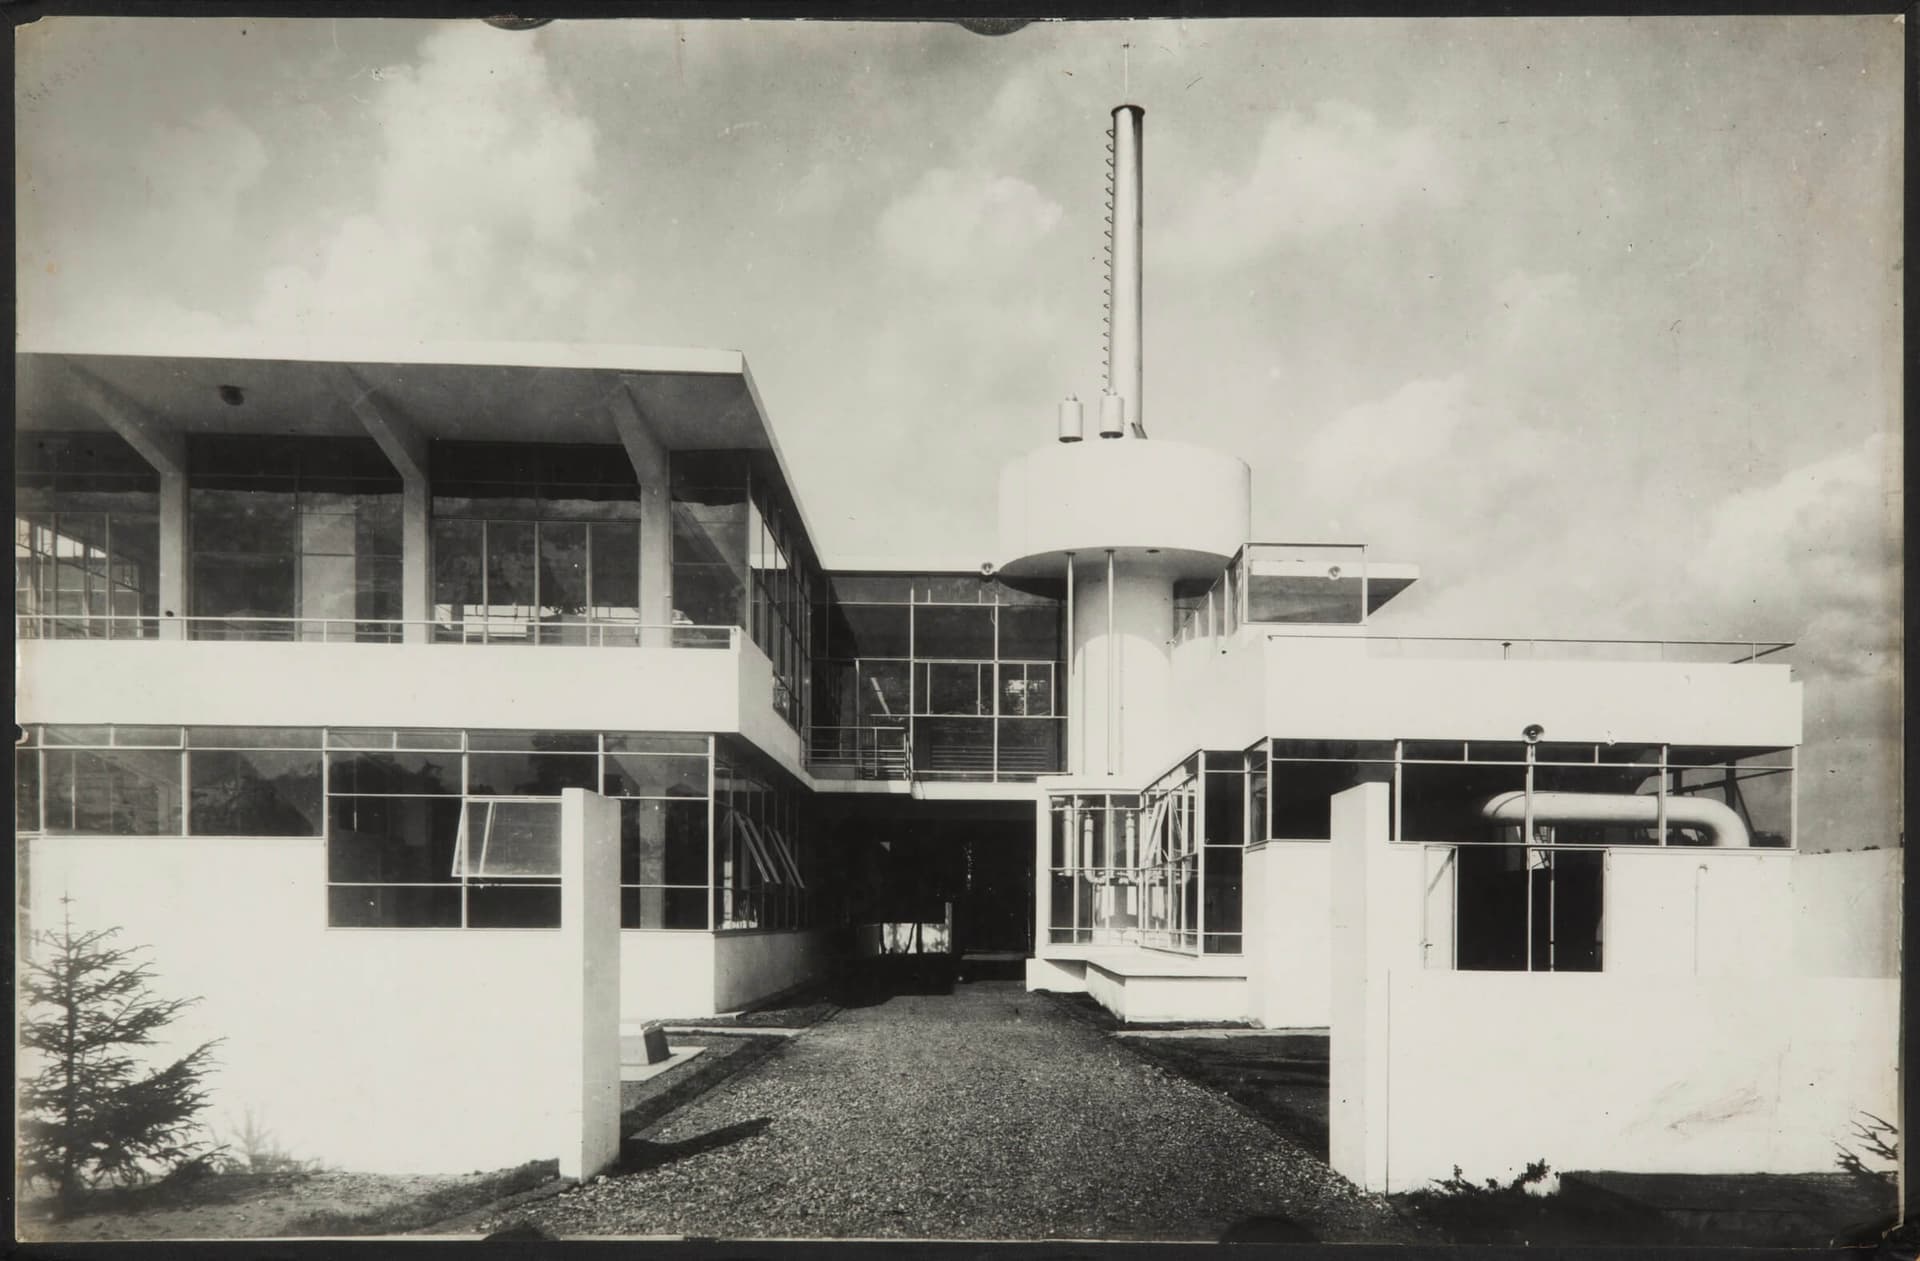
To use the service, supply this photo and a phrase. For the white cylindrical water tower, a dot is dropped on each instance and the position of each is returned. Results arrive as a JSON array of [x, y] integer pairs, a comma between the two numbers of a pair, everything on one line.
[[1121, 522]]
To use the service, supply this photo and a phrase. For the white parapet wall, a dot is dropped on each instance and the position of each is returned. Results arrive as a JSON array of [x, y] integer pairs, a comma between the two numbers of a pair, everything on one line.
[[1288, 935], [373, 1050], [1331, 689], [1701, 1048], [673, 974], [1846, 913], [752, 967], [1641, 1074]]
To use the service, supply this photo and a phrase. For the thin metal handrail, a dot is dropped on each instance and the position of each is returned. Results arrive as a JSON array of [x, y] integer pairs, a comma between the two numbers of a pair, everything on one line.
[[487, 630], [1750, 649]]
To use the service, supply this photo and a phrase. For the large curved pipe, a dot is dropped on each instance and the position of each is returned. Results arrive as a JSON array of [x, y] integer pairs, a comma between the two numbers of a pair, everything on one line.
[[1717, 819]]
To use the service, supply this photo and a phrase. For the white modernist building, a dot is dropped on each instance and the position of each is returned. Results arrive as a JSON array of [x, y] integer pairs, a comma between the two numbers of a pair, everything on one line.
[[433, 716]]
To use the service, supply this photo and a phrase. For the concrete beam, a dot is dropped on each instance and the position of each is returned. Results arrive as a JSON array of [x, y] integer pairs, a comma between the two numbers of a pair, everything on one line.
[[644, 450], [158, 442], [402, 442]]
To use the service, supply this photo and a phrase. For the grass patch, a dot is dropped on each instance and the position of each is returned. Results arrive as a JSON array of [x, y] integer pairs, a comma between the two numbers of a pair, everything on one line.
[[434, 1206]]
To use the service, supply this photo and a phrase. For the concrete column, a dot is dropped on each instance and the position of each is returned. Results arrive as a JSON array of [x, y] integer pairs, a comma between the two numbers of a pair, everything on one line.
[[173, 555], [1376, 913], [587, 1115], [651, 466], [656, 563], [416, 560]]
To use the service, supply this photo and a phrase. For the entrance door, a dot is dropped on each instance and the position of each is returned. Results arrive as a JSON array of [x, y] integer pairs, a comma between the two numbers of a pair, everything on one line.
[[995, 911]]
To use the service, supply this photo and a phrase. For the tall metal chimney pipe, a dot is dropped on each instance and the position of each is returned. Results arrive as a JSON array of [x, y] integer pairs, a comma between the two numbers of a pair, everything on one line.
[[1124, 374]]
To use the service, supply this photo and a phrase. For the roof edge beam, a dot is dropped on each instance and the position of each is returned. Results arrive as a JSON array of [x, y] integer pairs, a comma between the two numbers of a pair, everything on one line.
[[158, 443], [399, 439]]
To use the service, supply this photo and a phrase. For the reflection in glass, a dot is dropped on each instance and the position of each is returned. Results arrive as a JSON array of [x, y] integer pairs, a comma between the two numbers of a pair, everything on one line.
[[255, 792]]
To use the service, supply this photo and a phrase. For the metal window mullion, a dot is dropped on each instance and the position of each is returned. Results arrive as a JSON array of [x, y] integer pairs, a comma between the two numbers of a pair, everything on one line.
[[713, 857]]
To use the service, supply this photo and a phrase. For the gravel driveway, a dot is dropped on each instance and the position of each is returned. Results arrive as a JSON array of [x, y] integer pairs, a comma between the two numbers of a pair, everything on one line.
[[988, 1113]]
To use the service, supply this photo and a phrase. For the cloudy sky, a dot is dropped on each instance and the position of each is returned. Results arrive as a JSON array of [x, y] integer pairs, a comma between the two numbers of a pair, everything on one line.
[[1597, 321]]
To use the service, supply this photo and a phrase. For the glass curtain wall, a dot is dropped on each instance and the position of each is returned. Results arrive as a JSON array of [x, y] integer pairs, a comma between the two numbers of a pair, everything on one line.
[[1473, 791], [741, 558], [1277, 584], [535, 543], [761, 868], [293, 538], [447, 829], [1174, 825], [963, 671], [1097, 881], [86, 538]]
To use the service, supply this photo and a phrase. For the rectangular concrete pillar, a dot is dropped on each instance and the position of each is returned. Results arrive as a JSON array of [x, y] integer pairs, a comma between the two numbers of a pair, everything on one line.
[[656, 563], [416, 560], [587, 1122], [173, 555], [652, 466], [1365, 922]]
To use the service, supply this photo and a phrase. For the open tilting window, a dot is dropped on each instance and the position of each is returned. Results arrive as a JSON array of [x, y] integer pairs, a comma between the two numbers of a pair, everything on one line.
[[511, 840]]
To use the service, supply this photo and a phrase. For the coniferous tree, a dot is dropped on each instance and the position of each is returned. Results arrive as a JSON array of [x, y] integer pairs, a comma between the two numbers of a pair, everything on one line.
[[92, 1113]]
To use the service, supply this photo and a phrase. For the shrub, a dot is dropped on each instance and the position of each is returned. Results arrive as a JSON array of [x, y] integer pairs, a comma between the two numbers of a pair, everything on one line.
[[94, 1114]]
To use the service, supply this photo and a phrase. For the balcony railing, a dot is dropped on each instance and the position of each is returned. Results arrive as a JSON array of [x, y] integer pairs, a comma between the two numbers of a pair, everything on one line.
[[1492, 648], [859, 752], [572, 631]]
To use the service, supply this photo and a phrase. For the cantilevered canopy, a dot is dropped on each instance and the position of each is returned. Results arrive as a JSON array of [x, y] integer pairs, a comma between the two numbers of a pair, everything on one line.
[[493, 392]]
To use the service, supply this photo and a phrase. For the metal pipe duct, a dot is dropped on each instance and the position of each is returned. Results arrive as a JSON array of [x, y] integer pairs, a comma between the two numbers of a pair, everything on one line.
[[1716, 819]]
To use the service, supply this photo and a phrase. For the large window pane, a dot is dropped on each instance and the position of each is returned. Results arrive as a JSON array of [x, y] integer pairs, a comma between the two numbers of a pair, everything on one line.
[[245, 521], [400, 840], [112, 792], [244, 587], [511, 838], [1030, 632], [649, 775], [663, 842], [952, 631], [1447, 802], [408, 773], [374, 906], [254, 793], [525, 905], [529, 774], [656, 907], [511, 569], [26, 790], [955, 688], [883, 692], [877, 630], [563, 569], [616, 569]]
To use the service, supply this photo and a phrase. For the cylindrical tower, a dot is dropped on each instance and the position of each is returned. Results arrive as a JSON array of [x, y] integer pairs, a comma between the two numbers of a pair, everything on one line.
[[1130, 518]]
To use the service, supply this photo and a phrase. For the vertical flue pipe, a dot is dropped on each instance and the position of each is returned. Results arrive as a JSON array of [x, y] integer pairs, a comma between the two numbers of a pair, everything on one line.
[[1124, 372]]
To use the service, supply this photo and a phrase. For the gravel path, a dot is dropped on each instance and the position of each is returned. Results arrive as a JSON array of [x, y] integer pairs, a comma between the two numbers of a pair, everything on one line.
[[988, 1113]]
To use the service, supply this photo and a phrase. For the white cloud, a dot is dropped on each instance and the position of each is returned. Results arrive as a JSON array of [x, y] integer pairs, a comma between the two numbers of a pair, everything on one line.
[[1338, 167], [959, 222], [486, 171]]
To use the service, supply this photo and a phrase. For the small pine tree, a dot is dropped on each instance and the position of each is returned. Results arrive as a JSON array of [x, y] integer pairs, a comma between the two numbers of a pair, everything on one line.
[[94, 1114]]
